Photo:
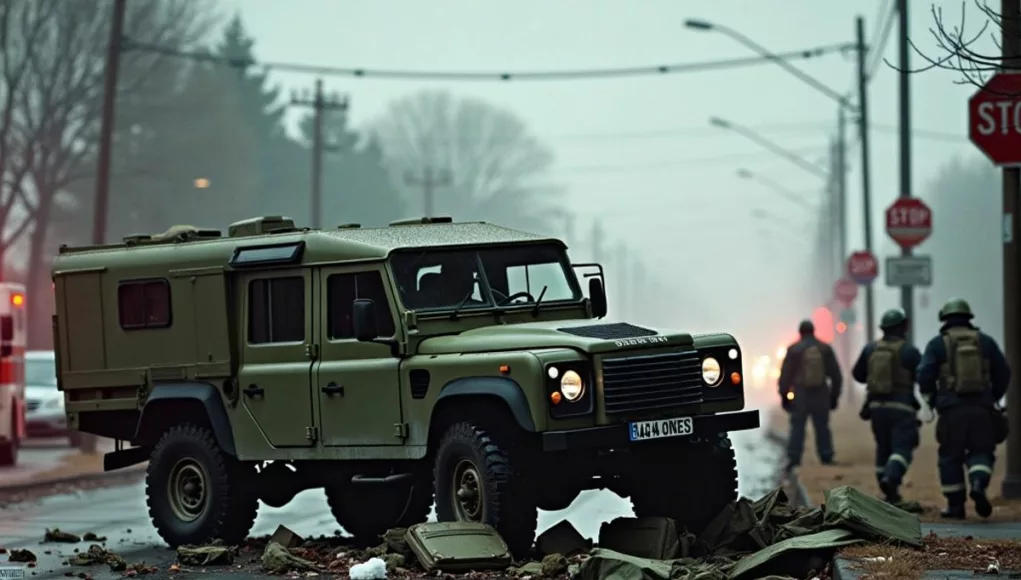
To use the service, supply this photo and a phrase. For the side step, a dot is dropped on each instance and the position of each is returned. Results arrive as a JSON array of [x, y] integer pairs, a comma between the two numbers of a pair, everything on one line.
[[125, 458]]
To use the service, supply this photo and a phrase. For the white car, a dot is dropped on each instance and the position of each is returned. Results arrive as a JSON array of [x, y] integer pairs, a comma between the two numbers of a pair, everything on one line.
[[44, 414]]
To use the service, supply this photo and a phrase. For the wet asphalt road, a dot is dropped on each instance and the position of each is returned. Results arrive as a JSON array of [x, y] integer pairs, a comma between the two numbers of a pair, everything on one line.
[[34, 457], [120, 514]]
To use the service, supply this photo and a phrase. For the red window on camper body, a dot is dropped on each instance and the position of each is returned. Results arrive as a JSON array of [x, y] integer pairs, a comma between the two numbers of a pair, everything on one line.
[[144, 304]]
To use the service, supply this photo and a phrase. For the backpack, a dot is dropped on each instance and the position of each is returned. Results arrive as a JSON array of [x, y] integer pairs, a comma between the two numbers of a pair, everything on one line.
[[813, 368], [965, 365], [882, 367]]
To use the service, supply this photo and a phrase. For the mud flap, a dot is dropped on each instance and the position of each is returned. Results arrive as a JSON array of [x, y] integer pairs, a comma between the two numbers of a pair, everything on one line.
[[458, 546], [648, 537]]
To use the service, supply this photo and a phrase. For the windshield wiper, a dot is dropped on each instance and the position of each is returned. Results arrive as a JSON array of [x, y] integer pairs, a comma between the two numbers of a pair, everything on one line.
[[535, 309], [460, 305]]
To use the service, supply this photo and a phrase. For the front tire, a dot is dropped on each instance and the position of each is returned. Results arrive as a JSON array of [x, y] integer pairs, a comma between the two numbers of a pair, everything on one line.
[[367, 511], [195, 492], [476, 481], [691, 485]]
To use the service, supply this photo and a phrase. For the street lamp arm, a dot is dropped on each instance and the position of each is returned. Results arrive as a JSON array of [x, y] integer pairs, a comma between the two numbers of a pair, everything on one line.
[[773, 147]]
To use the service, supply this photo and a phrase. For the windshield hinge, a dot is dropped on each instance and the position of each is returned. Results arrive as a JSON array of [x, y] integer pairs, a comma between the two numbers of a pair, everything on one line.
[[312, 433], [312, 351], [401, 430]]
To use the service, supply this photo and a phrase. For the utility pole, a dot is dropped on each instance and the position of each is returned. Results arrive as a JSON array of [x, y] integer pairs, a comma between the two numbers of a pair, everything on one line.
[[319, 103], [620, 268], [841, 186], [1010, 14], [863, 128], [429, 181], [907, 293], [113, 60]]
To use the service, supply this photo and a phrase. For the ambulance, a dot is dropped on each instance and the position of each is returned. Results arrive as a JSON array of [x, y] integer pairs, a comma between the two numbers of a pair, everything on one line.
[[13, 328]]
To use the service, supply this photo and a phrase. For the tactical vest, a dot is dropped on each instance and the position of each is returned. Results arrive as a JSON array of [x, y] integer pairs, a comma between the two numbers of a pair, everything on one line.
[[813, 368], [886, 374], [966, 370]]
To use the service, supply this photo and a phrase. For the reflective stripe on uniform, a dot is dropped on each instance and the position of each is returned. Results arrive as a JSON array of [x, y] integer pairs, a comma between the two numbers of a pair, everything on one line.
[[980, 469], [900, 459], [880, 468], [953, 488], [891, 405]]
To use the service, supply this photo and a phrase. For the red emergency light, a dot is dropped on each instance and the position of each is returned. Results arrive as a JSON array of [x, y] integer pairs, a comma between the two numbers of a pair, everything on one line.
[[822, 318]]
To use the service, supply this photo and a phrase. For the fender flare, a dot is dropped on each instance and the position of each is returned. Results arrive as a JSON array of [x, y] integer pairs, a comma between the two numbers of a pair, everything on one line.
[[203, 393], [505, 389]]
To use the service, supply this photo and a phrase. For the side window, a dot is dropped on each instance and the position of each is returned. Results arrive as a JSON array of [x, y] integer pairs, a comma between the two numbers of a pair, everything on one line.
[[144, 304], [276, 310], [343, 290]]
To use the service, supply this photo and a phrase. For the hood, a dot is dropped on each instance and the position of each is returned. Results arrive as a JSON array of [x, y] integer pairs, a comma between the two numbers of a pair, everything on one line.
[[583, 335]]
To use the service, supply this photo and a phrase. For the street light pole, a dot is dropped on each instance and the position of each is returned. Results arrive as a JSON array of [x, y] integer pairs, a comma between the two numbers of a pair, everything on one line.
[[770, 145], [866, 183], [775, 187]]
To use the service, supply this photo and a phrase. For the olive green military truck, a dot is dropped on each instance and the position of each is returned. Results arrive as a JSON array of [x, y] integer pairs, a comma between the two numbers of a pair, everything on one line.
[[428, 361]]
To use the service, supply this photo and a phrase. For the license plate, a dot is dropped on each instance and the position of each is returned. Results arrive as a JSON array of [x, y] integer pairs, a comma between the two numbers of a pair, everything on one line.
[[679, 427]]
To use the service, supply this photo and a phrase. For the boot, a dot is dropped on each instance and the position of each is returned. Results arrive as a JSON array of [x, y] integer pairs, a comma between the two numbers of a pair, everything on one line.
[[978, 495], [953, 512], [890, 491]]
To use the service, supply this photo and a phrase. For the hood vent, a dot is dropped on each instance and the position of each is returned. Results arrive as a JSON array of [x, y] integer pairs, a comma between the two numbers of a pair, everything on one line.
[[613, 331]]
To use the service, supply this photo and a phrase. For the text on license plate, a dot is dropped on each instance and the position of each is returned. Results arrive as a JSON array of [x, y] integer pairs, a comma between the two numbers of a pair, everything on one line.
[[641, 430]]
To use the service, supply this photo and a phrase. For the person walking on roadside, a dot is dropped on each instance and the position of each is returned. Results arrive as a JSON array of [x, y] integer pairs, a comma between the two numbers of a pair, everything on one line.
[[887, 369], [962, 375], [809, 382]]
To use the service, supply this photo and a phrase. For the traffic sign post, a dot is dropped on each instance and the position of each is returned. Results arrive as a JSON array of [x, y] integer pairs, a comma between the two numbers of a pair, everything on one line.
[[908, 271], [908, 222], [848, 316], [994, 119], [862, 267], [845, 291]]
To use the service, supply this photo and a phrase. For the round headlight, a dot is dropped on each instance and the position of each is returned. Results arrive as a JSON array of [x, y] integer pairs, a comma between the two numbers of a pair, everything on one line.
[[711, 371], [572, 386]]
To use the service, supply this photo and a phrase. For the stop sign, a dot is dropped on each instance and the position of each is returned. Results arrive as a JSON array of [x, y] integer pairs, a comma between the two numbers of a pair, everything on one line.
[[994, 119], [862, 267], [908, 221], [845, 291]]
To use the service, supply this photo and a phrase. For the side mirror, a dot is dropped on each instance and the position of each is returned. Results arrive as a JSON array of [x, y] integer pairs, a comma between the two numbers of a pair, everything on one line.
[[597, 295], [363, 317]]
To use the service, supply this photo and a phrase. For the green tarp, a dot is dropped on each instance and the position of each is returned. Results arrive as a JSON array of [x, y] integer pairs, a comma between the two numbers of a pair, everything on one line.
[[768, 536]]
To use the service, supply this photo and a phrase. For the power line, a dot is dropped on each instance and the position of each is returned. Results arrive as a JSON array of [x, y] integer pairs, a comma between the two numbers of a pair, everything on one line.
[[688, 162], [581, 74], [880, 47]]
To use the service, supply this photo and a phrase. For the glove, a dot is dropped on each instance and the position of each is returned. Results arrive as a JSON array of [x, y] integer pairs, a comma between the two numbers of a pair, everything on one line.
[[833, 404], [865, 413]]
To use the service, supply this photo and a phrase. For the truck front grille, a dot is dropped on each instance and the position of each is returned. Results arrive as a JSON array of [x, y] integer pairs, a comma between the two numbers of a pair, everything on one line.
[[645, 382]]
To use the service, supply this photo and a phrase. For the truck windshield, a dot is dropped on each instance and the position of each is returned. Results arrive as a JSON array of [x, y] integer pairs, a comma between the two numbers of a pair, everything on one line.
[[514, 276]]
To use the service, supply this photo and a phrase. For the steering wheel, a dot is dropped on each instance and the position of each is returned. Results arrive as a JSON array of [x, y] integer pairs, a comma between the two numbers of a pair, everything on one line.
[[515, 296]]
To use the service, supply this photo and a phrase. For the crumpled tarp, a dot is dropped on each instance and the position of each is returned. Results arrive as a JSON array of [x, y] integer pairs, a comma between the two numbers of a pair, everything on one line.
[[753, 539]]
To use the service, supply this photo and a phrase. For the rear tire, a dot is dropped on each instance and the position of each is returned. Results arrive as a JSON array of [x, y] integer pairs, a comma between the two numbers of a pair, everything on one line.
[[196, 492], [477, 481], [367, 511], [691, 485]]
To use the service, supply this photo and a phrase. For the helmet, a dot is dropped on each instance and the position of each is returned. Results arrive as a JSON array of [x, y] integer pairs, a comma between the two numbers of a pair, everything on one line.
[[893, 317], [806, 327], [956, 307]]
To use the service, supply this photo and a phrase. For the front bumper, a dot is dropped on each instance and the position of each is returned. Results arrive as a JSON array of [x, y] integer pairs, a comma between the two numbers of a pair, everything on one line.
[[616, 436]]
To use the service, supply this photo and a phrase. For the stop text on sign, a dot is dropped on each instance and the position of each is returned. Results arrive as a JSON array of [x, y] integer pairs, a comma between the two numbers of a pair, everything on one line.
[[999, 118], [900, 216]]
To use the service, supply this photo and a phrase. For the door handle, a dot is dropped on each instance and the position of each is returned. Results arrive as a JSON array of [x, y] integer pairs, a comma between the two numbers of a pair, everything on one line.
[[333, 389], [253, 391]]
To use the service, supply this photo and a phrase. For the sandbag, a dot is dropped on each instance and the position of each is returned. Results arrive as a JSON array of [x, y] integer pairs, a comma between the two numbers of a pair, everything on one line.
[[647, 537], [870, 518]]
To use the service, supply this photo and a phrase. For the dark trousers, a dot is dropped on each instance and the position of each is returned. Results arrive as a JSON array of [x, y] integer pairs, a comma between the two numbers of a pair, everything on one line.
[[966, 440], [814, 404], [895, 430]]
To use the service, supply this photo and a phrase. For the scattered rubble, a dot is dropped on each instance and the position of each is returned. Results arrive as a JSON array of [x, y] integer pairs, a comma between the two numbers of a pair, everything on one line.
[[91, 537], [55, 535], [96, 554], [937, 553], [21, 556], [211, 555], [278, 560]]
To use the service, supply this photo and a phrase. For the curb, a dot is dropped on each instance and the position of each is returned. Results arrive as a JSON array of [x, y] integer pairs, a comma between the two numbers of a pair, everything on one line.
[[128, 473]]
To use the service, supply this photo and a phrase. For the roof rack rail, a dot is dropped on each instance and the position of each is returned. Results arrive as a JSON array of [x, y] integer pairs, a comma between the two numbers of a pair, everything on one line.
[[439, 219]]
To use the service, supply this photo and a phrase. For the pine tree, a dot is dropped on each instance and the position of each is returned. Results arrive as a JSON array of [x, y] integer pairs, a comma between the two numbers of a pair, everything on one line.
[[259, 103]]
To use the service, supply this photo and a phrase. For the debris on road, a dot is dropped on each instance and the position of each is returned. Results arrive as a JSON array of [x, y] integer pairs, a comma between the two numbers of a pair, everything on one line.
[[563, 538], [21, 556], [374, 569], [91, 537], [276, 559], [286, 538], [647, 537], [211, 555], [55, 535], [96, 554], [458, 547], [937, 553]]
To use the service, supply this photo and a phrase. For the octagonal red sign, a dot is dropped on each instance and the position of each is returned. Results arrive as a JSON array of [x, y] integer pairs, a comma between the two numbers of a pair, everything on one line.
[[994, 119]]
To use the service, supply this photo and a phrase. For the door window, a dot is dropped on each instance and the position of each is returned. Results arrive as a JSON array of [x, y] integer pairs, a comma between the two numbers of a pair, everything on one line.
[[343, 290], [276, 310]]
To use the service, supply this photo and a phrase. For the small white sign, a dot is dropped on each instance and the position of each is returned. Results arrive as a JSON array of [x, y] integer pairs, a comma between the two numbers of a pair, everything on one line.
[[12, 573], [909, 271]]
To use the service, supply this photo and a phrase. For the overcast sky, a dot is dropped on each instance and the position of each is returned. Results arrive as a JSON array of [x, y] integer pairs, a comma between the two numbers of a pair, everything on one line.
[[639, 152]]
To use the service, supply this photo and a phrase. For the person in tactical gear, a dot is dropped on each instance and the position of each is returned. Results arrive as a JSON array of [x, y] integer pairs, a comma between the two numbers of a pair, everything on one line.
[[887, 369], [810, 382], [962, 375]]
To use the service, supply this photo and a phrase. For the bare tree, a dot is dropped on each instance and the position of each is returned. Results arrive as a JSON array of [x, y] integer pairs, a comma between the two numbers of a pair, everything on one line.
[[53, 89], [499, 171]]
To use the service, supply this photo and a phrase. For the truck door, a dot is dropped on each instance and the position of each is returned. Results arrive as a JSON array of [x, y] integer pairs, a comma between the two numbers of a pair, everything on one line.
[[278, 336], [357, 383]]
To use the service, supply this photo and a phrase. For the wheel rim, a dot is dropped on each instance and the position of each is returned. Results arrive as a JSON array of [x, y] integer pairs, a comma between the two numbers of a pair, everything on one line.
[[467, 492], [186, 490]]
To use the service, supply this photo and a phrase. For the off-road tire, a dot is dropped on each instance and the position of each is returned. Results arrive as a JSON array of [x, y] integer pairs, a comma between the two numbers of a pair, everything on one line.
[[231, 504], [692, 487], [367, 511], [507, 505]]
